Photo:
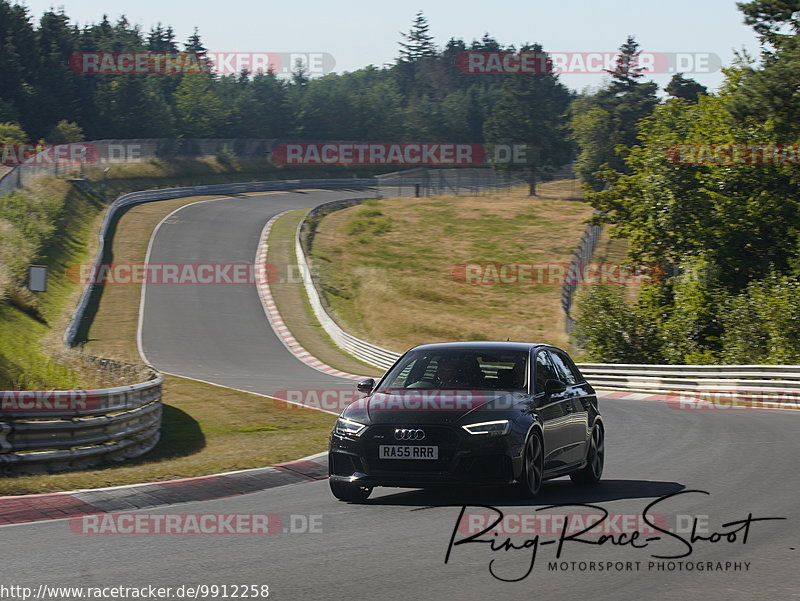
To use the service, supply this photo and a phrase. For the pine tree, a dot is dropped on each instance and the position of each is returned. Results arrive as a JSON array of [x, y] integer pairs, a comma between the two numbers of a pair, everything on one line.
[[531, 111], [627, 71], [418, 43]]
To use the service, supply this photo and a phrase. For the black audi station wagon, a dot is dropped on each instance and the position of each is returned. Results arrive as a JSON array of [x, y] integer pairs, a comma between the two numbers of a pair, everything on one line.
[[469, 413]]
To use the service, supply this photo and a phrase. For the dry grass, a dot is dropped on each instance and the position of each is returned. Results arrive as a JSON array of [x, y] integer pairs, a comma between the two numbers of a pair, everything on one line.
[[396, 288], [290, 297]]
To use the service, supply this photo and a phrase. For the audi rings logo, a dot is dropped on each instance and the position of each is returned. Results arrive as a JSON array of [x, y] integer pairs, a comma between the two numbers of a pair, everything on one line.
[[408, 434]]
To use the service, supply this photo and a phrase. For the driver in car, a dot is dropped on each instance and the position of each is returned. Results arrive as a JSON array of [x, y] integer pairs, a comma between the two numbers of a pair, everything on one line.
[[448, 374]]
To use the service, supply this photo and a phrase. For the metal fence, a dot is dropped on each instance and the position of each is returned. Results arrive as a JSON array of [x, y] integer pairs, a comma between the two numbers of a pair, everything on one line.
[[369, 353], [127, 151], [582, 255], [422, 181], [110, 424]]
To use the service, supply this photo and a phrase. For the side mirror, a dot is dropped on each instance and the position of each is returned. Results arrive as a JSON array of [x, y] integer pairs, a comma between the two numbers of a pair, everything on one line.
[[554, 387], [366, 386]]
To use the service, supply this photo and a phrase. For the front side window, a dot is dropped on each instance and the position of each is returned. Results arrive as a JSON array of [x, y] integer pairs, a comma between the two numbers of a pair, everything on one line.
[[544, 370], [563, 368]]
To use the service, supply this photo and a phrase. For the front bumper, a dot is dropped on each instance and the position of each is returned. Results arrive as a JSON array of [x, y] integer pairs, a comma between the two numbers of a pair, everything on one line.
[[463, 458]]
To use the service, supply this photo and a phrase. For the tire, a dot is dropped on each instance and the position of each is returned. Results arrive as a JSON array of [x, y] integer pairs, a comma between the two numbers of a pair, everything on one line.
[[352, 493], [532, 466], [595, 456]]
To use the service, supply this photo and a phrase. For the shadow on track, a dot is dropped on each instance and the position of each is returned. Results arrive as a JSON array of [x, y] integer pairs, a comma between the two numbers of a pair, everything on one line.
[[553, 493]]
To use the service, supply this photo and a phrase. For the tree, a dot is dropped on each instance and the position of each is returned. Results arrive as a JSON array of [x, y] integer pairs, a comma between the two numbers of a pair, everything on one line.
[[65, 132], [198, 110], [593, 129], [627, 71], [770, 19], [417, 42], [688, 89], [532, 111], [161, 39], [604, 124]]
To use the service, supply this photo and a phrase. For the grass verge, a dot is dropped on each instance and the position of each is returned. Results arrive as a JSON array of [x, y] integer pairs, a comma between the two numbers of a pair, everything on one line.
[[206, 428], [387, 267], [290, 297]]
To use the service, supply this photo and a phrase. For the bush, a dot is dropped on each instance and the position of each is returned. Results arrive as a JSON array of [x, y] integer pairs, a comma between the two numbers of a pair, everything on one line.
[[66, 132], [226, 157], [691, 329], [12, 133], [612, 331], [762, 324]]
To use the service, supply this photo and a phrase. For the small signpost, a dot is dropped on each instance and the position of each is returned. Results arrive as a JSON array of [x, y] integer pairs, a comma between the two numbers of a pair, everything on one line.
[[37, 278]]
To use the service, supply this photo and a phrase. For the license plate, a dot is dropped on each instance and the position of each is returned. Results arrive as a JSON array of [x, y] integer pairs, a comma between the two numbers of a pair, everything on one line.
[[395, 451]]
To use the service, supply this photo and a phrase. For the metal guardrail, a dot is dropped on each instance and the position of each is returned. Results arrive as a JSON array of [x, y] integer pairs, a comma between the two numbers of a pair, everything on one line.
[[109, 424], [134, 198], [751, 380], [362, 350], [366, 352], [118, 423], [697, 380]]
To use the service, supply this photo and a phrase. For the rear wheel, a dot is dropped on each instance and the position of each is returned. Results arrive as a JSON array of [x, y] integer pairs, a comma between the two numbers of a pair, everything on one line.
[[593, 470], [344, 491], [532, 466]]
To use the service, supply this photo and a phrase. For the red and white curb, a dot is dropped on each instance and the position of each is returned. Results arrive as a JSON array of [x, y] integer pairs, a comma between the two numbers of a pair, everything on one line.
[[633, 396], [53, 506], [274, 317]]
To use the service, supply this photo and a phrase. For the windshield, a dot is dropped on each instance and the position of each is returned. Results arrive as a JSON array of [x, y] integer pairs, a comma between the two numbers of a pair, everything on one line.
[[459, 370]]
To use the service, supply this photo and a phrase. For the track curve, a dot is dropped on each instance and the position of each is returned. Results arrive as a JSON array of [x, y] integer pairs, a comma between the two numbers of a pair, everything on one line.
[[394, 545]]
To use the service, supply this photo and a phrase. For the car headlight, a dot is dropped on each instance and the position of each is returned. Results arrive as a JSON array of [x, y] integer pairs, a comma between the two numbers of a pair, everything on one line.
[[347, 427], [496, 428]]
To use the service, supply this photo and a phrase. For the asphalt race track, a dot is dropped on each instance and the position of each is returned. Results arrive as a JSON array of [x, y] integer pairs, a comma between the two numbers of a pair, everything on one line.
[[219, 332], [394, 545]]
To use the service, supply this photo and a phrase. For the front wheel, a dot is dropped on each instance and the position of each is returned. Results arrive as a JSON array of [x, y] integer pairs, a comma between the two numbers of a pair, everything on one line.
[[532, 466], [593, 470], [344, 491]]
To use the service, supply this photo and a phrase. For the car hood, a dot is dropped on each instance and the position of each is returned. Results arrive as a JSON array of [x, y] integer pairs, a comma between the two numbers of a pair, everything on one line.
[[424, 406]]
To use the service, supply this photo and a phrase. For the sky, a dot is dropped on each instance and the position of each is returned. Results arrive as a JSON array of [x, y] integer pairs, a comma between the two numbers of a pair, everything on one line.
[[357, 33]]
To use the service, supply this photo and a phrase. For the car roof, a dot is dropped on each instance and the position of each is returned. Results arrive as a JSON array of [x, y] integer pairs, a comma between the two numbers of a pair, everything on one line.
[[483, 345]]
